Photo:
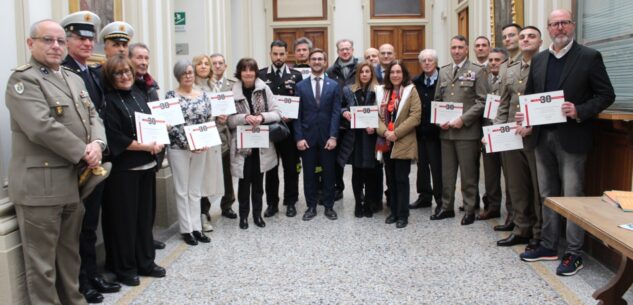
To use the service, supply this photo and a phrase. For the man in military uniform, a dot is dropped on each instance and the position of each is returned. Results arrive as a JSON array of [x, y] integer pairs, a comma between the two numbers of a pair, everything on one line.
[[466, 83], [282, 81], [116, 36], [55, 129], [81, 34], [522, 181]]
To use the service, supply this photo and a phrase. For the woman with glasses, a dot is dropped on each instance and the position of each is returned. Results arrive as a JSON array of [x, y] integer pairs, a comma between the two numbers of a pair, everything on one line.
[[128, 195], [187, 166]]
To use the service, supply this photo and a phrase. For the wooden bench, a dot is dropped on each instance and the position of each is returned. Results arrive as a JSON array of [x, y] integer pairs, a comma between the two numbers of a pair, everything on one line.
[[601, 220]]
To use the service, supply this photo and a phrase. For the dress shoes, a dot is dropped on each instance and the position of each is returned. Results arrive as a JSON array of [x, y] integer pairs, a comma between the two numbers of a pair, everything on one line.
[[401, 223], [189, 239], [506, 227], [91, 295], [368, 211], [271, 210], [154, 271], [513, 240], [330, 214], [532, 245], [338, 195], [441, 214], [159, 245], [390, 219], [243, 223], [358, 210], [129, 280], [468, 219], [259, 221], [291, 211], [419, 203], [488, 214], [201, 237], [103, 286], [309, 214], [228, 213]]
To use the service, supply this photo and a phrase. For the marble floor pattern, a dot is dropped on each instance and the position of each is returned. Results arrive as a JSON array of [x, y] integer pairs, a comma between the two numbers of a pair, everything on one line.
[[356, 261]]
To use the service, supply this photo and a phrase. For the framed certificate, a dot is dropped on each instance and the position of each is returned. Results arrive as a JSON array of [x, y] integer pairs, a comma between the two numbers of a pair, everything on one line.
[[492, 105], [364, 116], [502, 137], [169, 109], [222, 103], [150, 128], [288, 105], [201, 136], [543, 108], [442, 112], [252, 137]]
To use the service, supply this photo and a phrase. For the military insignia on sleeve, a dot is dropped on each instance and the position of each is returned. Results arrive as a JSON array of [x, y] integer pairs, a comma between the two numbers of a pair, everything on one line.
[[19, 87]]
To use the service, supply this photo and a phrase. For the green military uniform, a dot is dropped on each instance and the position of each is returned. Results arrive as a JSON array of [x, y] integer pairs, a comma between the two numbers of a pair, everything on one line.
[[522, 180], [460, 147], [52, 121]]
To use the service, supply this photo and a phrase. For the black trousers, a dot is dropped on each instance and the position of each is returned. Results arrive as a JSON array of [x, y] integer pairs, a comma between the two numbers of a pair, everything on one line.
[[229, 195], [289, 155], [127, 221], [251, 186], [363, 185], [88, 235], [429, 166], [397, 172]]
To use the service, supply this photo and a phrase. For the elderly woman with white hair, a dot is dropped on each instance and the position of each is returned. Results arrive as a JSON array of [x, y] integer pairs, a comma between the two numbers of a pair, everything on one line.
[[188, 166]]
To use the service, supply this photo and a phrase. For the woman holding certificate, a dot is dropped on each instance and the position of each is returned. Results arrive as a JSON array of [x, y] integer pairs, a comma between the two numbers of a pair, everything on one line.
[[255, 106], [358, 146], [127, 204], [187, 166], [400, 112]]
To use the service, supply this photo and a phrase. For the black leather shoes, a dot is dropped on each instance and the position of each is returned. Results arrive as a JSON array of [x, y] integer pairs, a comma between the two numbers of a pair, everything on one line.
[[103, 286], [330, 214], [468, 219], [390, 219], [201, 237], [513, 240], [358, 210], [91, 295], [506, 227], [159, 245], [259, 221], [309, 214], [338, 195], [442, 213], [129, 280], [271, 210], [189, 239], [243, 223], [154, 271], [368, 211], [419, 203], [488, 214], [401, 223], [291, 211], [228, 213]]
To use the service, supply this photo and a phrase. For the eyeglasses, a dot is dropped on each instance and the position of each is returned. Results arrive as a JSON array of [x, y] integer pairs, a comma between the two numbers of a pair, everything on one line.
[[345, 49], [317, 59], [563, 23], [120, 74], [49, 41]]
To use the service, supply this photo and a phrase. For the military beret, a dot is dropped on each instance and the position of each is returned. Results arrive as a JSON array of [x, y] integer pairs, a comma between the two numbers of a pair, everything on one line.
[[82, 23], [117, 31]]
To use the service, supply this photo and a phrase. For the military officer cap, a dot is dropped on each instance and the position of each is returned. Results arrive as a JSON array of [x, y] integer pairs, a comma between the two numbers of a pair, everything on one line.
[[82, 23], [117, 31]]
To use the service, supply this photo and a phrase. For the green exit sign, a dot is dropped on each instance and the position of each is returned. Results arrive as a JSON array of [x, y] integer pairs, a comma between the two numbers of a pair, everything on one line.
[[179, 18]]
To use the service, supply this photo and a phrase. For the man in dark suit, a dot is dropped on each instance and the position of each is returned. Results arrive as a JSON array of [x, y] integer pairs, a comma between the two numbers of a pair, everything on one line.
[[561, 149], [81, 35], [316, 131], [282, 81]]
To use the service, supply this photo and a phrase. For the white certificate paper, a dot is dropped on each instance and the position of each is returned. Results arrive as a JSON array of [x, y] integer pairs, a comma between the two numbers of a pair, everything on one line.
[[305, 72], [222, 103], [201, 136], [492, 105], [364, 116], [168, 109], [151, 128], [442, 112], [543, 108], [502, 137], [252, 137], [288, 105]]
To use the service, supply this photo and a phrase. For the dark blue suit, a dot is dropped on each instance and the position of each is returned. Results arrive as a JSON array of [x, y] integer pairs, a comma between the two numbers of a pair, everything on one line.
[[316, 124]]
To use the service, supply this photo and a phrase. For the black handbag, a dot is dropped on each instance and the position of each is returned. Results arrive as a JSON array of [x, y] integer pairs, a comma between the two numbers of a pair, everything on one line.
[[277, 131]]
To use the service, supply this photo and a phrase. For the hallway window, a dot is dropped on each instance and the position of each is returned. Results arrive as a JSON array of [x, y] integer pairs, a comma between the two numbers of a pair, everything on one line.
[[397, 8]]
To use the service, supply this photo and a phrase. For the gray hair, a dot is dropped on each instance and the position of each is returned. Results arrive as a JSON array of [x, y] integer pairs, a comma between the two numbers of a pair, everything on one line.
[[34, 29], [500, 50], [136, 45], [217, 55], [181, 67], [344, 40], [302, 40], [428, 52]]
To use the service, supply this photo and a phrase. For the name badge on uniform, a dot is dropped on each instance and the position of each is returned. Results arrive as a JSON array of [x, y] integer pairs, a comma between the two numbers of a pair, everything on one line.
[[85, 98]]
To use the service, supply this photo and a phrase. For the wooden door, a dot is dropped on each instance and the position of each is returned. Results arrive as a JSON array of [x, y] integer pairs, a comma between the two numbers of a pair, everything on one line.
[[407, 41], [462, 23], [289, 35]]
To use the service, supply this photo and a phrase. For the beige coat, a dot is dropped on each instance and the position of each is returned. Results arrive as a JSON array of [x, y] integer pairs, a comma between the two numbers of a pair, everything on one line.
[[407, 119]]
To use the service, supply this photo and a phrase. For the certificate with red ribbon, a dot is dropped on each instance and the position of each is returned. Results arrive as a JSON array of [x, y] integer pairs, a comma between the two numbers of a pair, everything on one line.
[[364, 117], [502, 137], [150, 128], [543, 108], [442, 112], [201, 136], [168, 109], [222, 103], [252, 137]]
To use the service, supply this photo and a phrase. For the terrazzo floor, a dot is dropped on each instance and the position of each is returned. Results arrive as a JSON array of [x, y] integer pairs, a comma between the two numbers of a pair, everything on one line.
[[356, 261]]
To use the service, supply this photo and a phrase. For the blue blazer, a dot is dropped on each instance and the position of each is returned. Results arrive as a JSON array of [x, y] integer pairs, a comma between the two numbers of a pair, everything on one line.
[[316, 124]]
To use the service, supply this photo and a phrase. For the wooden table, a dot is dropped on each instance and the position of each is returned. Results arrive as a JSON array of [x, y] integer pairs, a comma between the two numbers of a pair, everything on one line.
[[601, 220]]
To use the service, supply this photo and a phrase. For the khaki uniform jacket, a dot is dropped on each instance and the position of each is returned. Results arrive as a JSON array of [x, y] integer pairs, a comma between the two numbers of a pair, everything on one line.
[[407, 119], [52, 120], [469, 87], [513, 86]]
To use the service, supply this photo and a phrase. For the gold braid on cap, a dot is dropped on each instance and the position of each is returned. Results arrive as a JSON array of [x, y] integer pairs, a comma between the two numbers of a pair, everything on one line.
[[117, 35]]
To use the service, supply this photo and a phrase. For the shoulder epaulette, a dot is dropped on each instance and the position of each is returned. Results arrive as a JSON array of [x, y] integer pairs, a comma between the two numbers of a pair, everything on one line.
[[22, 68], [446, 66], [477, 64], [518, 62], [69, 69], [94, 66]]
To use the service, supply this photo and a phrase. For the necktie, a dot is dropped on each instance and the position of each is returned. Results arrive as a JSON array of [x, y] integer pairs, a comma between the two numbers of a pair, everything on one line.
[[494, 79], [524, 67], [279, 73], [455, 71], [317, 94], [428, 82]]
